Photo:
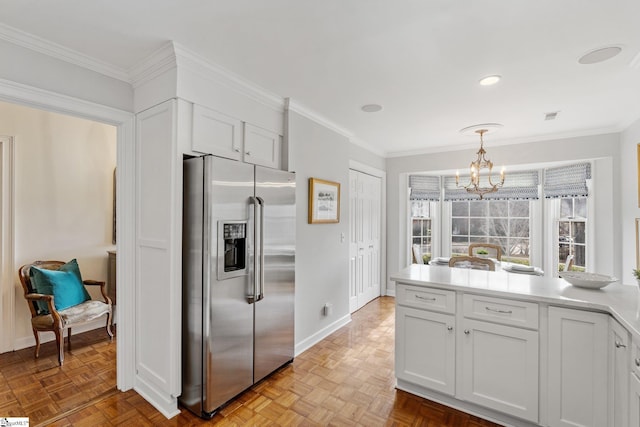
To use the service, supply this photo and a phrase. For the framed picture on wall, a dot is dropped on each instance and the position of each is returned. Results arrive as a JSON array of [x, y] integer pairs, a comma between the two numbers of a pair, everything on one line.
[[324, 201]]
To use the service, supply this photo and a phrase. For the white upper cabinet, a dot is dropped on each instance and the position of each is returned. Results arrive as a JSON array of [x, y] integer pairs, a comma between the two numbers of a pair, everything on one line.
[[261, 146], [221, 135], [216, 133]]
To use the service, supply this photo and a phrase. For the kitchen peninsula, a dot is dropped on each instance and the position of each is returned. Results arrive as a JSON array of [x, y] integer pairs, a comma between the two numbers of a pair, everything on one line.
[[519, 349]]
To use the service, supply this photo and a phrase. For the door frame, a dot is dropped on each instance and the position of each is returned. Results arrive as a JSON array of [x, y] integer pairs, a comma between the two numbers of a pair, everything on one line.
[[370, 170], [29, 96], [7, 284]]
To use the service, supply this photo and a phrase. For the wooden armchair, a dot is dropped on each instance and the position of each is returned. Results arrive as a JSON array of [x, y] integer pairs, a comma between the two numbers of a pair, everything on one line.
[[472, 262], [495, 251], [54, 320]]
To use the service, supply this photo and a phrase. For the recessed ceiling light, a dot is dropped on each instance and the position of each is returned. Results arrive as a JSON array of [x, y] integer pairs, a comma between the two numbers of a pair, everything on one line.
[[371, 108], [599, 55], [490, 80]]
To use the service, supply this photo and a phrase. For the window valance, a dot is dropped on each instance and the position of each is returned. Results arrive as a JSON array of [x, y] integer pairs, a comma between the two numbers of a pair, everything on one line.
[[518, 185], [424, 187], [567, 181]]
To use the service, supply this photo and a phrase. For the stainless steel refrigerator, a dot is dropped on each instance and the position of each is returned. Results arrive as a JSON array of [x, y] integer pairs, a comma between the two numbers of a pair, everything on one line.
[[238, 278]]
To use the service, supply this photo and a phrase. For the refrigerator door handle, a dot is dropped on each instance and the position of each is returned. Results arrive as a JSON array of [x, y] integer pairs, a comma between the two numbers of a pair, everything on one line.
[[252, 297], [261, 275]]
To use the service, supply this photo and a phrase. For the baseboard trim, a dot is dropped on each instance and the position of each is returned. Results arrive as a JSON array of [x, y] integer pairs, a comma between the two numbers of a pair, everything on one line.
[[30, 341], [309, 342], [166, 405]]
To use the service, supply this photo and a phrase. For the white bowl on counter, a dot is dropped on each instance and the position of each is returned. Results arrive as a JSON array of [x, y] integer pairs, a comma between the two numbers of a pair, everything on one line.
[[582, 279]]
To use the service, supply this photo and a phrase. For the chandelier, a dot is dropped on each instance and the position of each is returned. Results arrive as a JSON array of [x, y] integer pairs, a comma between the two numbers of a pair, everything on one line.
[[481, 162]]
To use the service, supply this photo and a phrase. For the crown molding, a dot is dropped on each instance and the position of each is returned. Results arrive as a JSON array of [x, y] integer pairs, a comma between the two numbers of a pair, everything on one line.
[[54, 50], [312, 115], [159, 62], [206, 69], [509, 141]]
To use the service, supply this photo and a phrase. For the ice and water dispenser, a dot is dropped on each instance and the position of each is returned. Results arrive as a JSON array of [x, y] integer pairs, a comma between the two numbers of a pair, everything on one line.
[[232, 258]]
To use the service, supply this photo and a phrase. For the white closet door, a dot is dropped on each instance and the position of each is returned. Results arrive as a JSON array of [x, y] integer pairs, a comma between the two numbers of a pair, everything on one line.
[[364, 238], [355, 239]]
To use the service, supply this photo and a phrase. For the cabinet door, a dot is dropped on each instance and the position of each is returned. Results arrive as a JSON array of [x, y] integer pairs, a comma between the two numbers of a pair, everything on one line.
[[500, 368], [261, 147], [577, 368], [634, 402], [425, 348], [216, 133], [619, 353]]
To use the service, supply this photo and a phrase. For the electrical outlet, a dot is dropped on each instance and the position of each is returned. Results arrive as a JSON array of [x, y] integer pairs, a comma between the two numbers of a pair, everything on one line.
[[327, 310]]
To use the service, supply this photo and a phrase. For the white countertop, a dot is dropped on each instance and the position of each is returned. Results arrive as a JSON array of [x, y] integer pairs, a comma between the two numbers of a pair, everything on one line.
[[621, 301]]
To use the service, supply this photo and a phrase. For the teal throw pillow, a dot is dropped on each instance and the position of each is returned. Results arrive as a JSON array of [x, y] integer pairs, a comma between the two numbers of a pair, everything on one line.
[[65, 284]]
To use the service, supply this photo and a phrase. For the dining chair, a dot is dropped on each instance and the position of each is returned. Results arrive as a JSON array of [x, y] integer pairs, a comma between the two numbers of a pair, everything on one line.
[[417, 254], [494, 251], [568, 263], [476, 263]]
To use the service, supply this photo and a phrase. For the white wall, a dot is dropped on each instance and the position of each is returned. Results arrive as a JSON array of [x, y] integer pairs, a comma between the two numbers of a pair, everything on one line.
[[322, 260], [602, 147], [629, 210], [63, 177]]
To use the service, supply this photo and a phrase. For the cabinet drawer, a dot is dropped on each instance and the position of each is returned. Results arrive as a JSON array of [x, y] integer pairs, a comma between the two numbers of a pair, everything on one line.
[[427, 298], [498, 310]]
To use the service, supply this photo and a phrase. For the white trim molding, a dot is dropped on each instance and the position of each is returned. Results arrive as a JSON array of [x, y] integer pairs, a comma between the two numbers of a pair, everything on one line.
[[312, 340], [124, 121], [54, 50], [7, 259]]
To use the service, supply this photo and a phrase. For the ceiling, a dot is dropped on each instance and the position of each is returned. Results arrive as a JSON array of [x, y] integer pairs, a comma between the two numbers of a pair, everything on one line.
[[420, 59]]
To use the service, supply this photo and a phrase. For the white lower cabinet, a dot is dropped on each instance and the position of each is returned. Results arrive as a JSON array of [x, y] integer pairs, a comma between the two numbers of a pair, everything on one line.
[[619, 368], [500, 368], [425, 348], [577, 360], [634, 401]]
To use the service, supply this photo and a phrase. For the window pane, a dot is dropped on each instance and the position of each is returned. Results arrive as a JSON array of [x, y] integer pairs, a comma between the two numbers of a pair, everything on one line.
[[579, 259], [459, 208], [416, 240], [563, 252], [519, 208], [416, 227], [426, 227], [519, 248], [564, 231], [566, 208], [498, 226], [478, 208], [577, 231], [498, 208], [459, 226], [580, 207], [519, 228], [478, 226], [459, 245]]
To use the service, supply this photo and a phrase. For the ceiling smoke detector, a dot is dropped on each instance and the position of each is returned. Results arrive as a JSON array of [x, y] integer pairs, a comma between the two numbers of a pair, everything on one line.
[[599, 55]]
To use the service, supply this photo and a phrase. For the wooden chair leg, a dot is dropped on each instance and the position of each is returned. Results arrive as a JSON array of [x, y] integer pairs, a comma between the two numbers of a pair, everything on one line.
[[60, 343], [109, 331], [35, 334]]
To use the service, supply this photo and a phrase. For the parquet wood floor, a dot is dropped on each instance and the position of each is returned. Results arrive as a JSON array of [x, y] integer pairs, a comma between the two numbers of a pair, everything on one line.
[[345, 380]]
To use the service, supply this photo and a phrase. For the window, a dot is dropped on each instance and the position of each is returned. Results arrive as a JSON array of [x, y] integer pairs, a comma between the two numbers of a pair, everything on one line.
[[502, 222], [572, 232], [421, 229]]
